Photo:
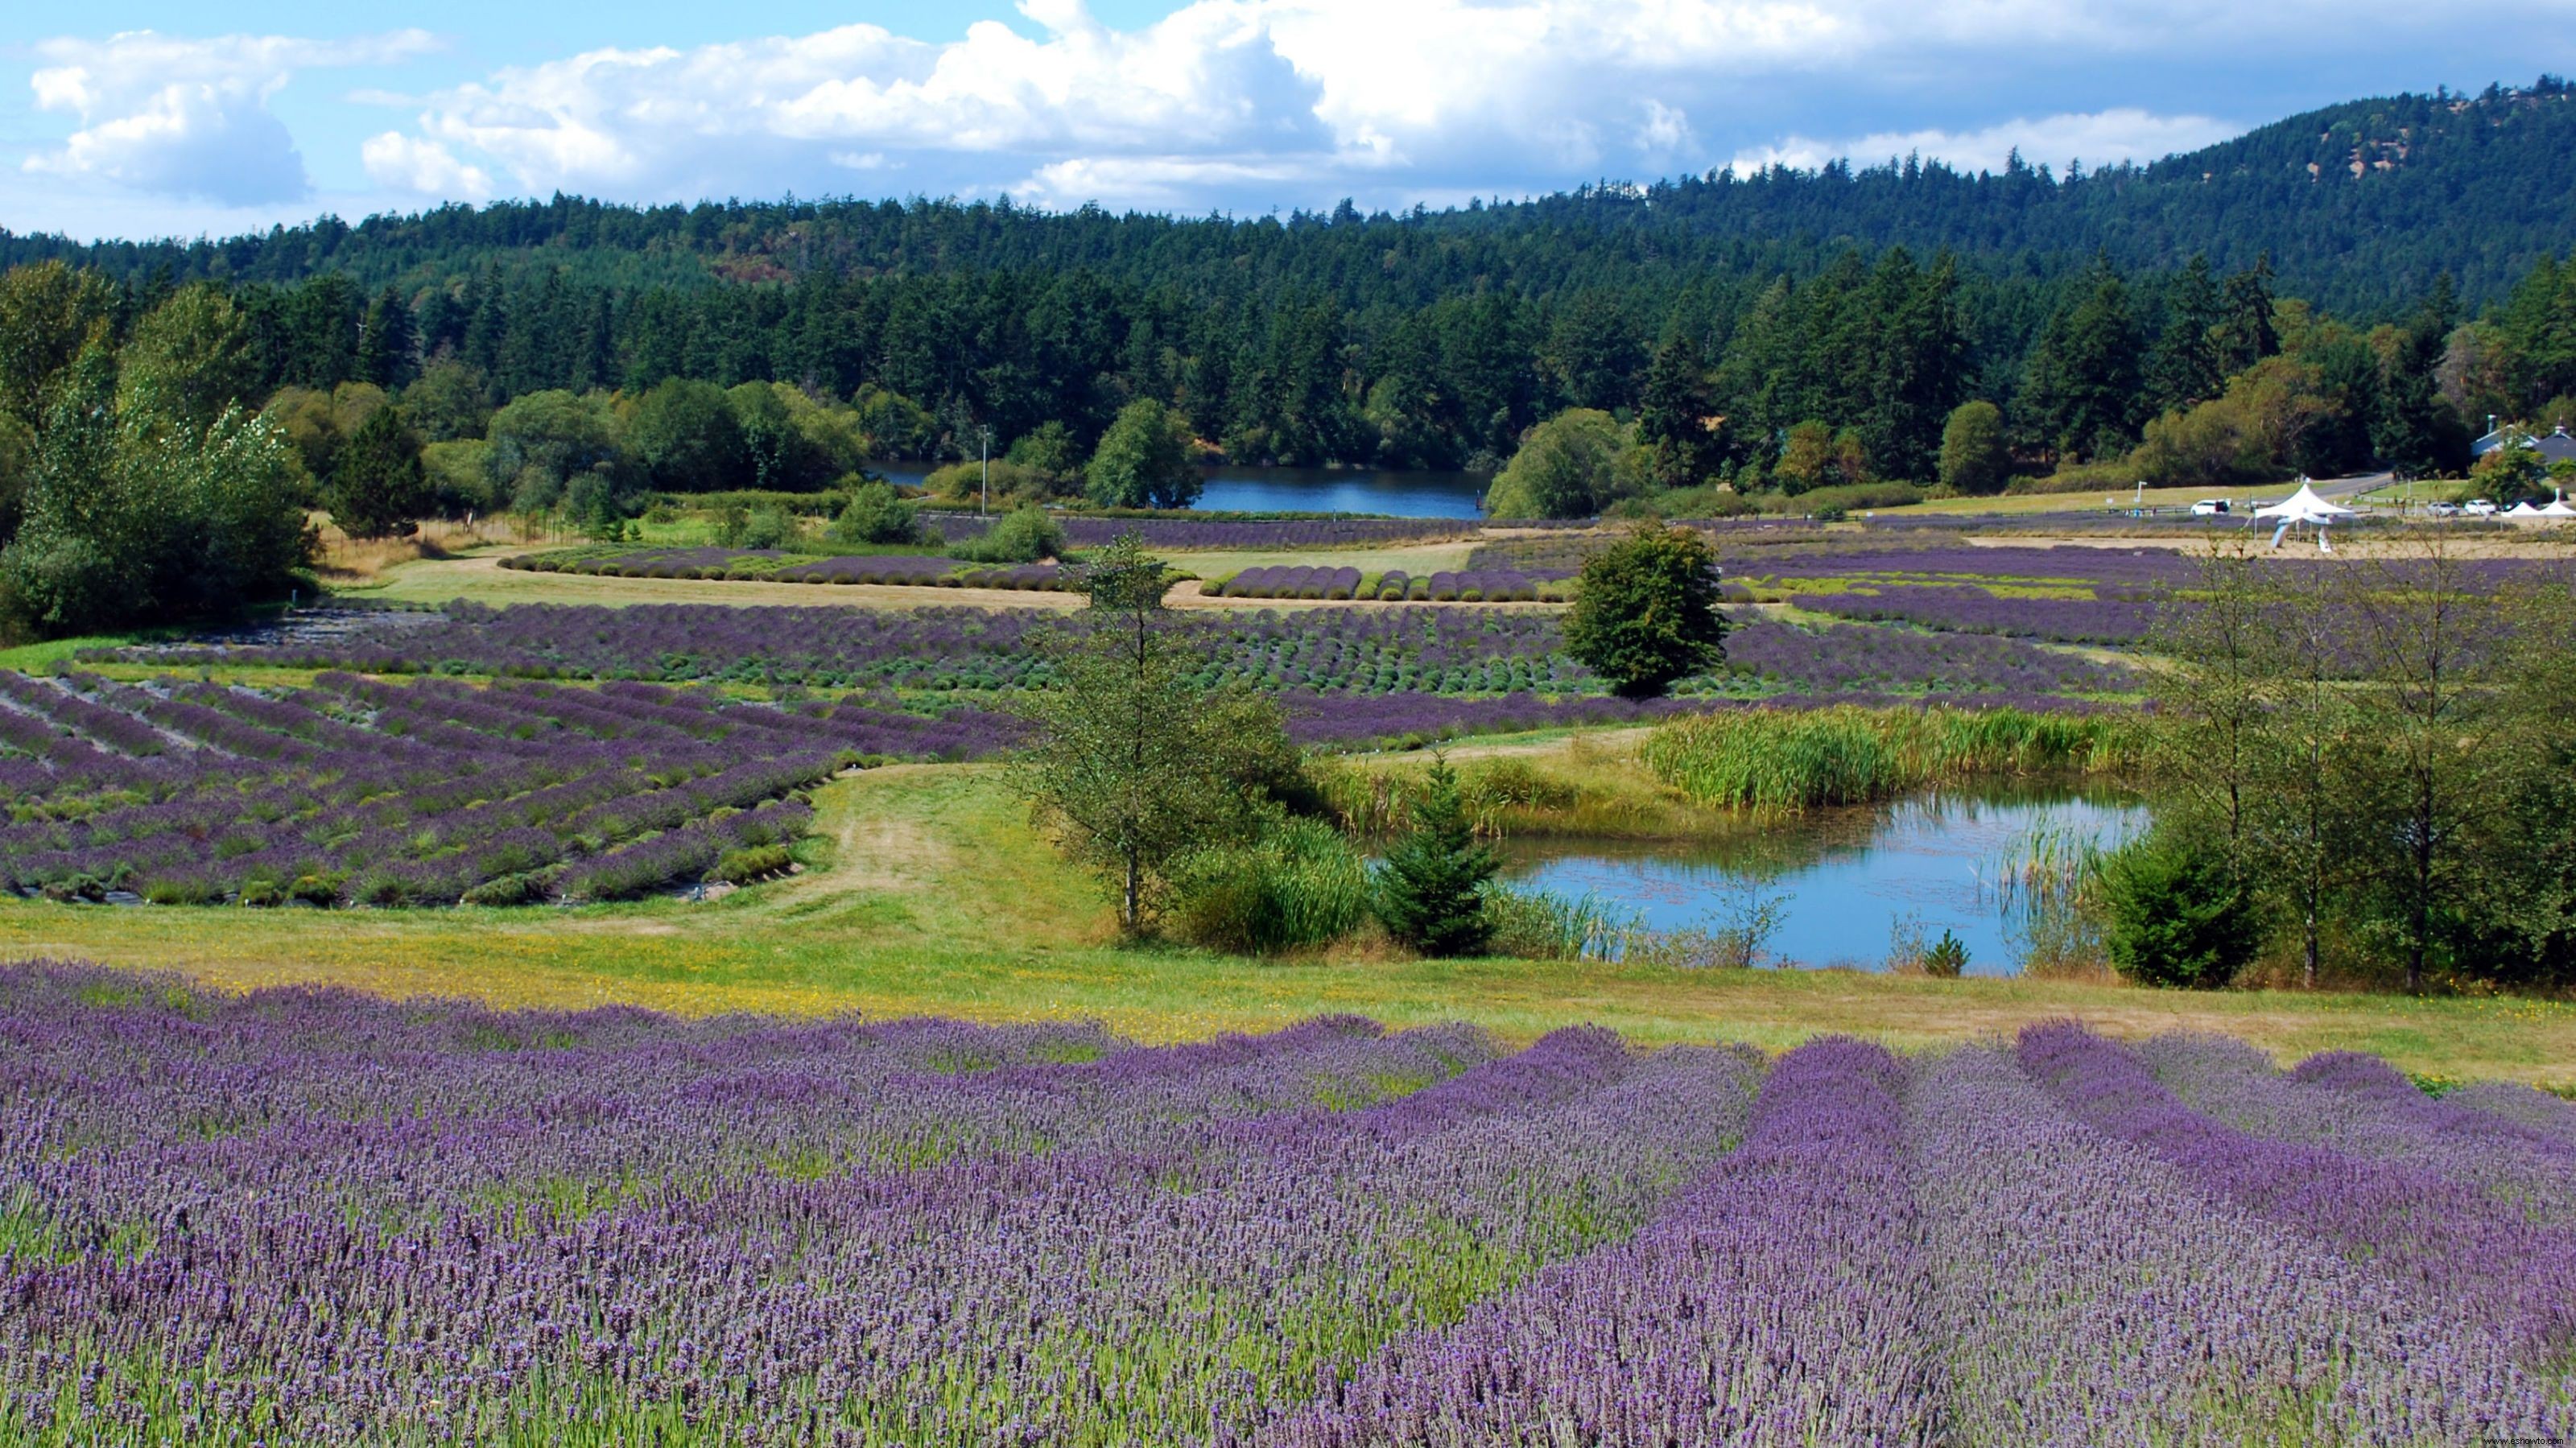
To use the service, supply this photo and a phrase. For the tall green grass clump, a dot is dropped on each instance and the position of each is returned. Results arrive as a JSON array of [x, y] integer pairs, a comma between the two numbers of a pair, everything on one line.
[[1542, 925], [1783, 762], [1300, 885]]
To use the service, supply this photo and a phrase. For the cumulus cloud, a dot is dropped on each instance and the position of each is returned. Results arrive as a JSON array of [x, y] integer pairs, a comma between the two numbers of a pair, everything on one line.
[[1224, 101], [190, 117], [422, 168], [1248, 104], [2099, 139]]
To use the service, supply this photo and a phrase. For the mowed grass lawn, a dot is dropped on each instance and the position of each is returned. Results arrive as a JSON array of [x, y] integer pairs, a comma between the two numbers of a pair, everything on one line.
[[931, 895]]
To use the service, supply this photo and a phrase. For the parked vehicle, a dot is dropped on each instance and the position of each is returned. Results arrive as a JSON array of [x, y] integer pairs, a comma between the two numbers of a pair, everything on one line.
[[2443, 510], [2478, 508], [2210, 508]]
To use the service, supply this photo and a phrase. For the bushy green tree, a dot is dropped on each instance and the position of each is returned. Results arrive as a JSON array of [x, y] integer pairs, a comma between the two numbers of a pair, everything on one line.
[[132, 516], [1974, 460], [191, 357], [1645, 611], [2179, 913], [1573, 465], [542, 440], [1430, 886], [378, 487], [1023, 535], [1137, 763], [1145, 460], [685, 434], [876, 515]]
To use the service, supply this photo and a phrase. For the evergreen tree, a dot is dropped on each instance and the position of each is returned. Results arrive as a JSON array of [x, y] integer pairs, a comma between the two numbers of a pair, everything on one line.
[[388, 354], [2246, 333], [2083, 387], [2185, 368], [1430, 888], [1674, 417], [377, 487]]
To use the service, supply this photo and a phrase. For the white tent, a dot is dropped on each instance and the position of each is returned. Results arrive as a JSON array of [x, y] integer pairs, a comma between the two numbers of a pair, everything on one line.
[[2522, 510], [2304, 506], [2558, 509]]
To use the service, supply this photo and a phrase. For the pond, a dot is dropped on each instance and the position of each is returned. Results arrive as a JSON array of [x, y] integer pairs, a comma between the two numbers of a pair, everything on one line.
[[1396, 493], [1847, 878]]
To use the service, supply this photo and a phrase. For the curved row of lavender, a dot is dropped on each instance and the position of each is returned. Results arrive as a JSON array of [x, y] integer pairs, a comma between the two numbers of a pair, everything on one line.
[[771, 565], [364, 792], [1326, 650], [1489, 585], [1187, 535], [316, 1217]]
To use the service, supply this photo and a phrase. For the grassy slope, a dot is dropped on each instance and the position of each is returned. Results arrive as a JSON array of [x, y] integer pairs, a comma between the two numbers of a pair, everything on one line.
[[938, 899]]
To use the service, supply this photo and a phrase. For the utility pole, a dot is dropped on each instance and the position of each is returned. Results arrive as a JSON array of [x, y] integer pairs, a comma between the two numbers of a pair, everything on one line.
[[985, 507]]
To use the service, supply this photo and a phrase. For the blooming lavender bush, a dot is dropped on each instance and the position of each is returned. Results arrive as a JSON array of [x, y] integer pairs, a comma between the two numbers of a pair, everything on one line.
[[314, 1217]]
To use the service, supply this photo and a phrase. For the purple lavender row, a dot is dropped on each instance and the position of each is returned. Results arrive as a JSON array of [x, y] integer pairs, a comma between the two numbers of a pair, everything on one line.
[[1963, 609], [2089, 1292], [1090, 1294], [1192, 534], [1782, 1299], [2361, 1107], [2447, 1244], [2554, 1117]]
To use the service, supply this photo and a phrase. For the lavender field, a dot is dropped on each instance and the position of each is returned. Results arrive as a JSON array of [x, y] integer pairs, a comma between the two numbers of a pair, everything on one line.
[[1329, 651], [356, 791], [319, 1217]]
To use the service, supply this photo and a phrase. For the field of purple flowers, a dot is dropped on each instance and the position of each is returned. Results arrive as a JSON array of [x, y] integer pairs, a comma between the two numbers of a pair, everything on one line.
[[1489, 585], [315, 1217], [364, 792], [1328, 651], [1193, 535], [775, 566]]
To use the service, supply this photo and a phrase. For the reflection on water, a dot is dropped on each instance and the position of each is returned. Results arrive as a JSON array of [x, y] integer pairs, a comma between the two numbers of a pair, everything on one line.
[[1848, 875], [1309, 490]]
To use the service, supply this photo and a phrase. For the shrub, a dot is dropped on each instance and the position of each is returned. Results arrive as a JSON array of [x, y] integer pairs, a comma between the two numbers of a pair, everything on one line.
[[741, 867], [1022, 535], [523, 889], [875, 515], [1946, 958], [768, 528], [2178, 913], [1537, 925], [1300, 885]]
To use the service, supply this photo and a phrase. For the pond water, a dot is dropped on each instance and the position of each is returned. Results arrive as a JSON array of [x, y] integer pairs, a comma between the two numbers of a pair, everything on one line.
[[1846, 877], [1396, 493]]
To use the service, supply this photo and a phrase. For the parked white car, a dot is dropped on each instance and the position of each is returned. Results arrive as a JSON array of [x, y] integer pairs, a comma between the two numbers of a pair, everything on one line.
[[2210, 508], [2478, 508], [2443, 510]]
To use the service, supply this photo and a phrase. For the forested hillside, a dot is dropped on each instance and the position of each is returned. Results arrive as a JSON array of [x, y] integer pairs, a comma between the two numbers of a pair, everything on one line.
[[2354, 288], [2359, 205]]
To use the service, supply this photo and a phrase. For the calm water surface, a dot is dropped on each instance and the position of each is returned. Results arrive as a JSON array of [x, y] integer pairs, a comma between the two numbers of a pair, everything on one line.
[[1848, 876], [1310, 490]]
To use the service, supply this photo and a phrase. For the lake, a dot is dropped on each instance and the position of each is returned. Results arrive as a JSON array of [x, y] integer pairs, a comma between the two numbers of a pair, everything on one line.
[[1399, 494], [1847, 876]]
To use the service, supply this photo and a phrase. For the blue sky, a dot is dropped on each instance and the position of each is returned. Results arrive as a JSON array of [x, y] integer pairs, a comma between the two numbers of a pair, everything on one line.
[[159, 119]]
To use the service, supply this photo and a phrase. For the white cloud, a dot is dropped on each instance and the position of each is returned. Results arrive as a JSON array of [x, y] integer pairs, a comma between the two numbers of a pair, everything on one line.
[[187, 117], [1224, 101], [1243, 104], [2098, 139], [422, 168]]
